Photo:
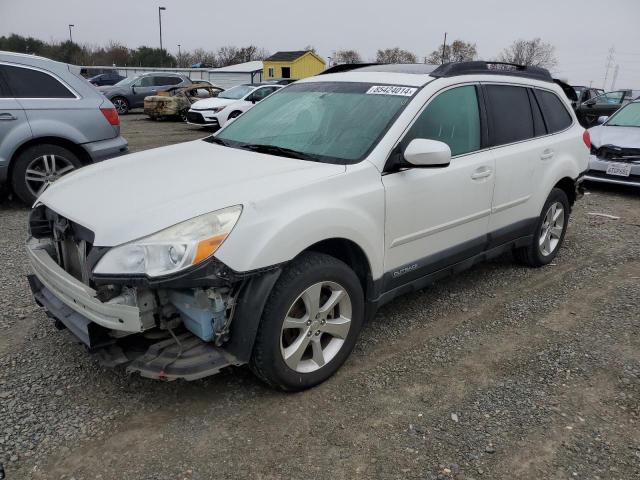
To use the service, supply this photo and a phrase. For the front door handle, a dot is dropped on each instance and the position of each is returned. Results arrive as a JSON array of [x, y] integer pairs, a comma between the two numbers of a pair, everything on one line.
[[7, 116], [547, 154], [480, 173]]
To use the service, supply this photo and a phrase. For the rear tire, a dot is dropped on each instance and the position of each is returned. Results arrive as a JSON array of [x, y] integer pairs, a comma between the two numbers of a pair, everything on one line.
[[121, 104], [302, 342], [549, 233], [39, 166]]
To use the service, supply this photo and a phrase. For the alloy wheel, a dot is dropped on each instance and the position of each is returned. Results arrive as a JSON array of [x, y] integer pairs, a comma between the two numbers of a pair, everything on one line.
[[44, 170], [315, 327], [551, 229], [121, 105]]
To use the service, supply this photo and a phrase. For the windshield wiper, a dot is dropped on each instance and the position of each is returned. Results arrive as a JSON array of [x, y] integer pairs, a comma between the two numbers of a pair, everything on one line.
[[275, 150], [214, 139]]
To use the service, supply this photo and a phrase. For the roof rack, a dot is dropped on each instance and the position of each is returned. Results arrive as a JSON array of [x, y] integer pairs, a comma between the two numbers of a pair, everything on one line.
[[491, 68], [346, 67]]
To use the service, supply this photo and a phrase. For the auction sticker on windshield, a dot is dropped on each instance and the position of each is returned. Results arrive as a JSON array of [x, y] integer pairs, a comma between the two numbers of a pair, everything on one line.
[[391, 90]]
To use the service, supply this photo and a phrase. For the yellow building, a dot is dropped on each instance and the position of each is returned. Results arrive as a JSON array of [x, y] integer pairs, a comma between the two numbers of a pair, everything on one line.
[[295, 65]]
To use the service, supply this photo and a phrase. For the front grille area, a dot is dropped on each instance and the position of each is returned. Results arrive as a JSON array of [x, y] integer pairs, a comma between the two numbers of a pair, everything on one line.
[[71, 242], [613, 153], [194, 117]]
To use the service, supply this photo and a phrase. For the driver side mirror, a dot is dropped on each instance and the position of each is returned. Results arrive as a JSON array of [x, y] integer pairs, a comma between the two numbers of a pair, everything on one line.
[[602, 119], [590, 103], [427, 153]]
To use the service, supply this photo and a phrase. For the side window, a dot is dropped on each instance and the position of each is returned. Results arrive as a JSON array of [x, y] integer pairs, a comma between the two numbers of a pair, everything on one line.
[[611, 98], [538, 122], [168, 81], [144, 82], [453, 117], [4, 92], [28, 83], [510, 118], [555, 114]]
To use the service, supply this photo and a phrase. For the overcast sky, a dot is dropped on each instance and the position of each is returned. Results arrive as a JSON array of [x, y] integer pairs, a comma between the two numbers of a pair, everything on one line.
[[581, 30]]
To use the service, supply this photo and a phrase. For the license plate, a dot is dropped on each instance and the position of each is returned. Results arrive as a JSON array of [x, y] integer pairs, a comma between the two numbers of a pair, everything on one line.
[[619, 170]]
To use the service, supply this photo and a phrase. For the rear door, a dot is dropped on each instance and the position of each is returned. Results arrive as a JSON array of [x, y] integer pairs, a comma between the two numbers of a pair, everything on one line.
[[14, 127], [513, 127]]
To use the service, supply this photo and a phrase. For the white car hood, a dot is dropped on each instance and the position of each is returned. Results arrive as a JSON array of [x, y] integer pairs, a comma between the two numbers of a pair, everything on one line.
[[132, 196], [209, 103], [625, 137]]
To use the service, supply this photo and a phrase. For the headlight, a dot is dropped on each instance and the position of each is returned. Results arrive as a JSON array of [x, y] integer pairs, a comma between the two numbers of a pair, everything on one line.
[[218, 109], [173, 249]]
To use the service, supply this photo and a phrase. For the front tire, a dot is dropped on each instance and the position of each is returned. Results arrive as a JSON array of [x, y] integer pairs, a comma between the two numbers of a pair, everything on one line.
[[310, 323], [550, 231], [39, 166]]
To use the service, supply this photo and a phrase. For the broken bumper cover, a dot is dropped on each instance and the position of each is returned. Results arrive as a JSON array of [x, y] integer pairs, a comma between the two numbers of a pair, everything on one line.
[[80, 297]]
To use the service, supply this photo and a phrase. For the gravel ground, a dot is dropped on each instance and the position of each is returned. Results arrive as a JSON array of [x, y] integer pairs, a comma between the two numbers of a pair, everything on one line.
[[501, 372]]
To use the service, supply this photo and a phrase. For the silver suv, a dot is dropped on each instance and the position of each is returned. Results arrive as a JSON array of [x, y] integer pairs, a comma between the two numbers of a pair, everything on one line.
[[130, 92], [51, 122]]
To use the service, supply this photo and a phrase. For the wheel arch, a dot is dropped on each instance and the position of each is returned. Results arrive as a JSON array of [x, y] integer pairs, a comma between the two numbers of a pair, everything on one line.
[[350, 253], [568, 186]]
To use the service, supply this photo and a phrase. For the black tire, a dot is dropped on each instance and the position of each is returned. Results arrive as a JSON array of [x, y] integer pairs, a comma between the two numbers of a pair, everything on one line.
[[234, 114], [19, 181], [533, 255], [121, 104], [308, 269]]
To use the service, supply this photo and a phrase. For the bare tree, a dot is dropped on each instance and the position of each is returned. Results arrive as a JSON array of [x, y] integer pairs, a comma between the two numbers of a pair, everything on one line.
[[457, 51], [395, 55], [310, 48], [534, 52], [346, 56]]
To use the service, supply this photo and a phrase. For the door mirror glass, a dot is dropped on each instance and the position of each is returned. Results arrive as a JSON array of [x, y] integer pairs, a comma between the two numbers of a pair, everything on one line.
[[427, 153], [602, 119], [590, 103]]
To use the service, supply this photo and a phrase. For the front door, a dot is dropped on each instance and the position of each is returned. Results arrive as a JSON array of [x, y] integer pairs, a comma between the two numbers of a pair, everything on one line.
[[436, 217], [142, 88]]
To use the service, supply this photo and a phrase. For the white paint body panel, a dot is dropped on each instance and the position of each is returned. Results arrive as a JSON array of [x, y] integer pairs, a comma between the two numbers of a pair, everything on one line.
[[289, 204]]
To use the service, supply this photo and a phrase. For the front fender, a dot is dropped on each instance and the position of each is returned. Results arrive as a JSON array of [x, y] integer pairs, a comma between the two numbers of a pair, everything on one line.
[[274, 231]]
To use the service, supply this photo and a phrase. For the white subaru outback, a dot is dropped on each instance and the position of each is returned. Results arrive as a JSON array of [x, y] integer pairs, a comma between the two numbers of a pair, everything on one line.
[[273, 241]]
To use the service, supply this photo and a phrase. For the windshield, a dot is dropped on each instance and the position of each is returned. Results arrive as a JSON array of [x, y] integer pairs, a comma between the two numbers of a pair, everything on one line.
[[236, 93], [126, 81], [334, 122], [628, 116]]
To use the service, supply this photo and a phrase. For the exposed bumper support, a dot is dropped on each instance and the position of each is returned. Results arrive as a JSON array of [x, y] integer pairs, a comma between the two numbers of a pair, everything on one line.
[[78, 296]]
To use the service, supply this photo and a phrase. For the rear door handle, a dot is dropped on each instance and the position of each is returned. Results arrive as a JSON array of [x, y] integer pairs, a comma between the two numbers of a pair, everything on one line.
[[482, 172], [547, 154], [7, 116]]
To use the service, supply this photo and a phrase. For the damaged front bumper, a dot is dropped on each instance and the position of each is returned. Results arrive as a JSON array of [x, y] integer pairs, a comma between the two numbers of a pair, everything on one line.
[[131, 333]]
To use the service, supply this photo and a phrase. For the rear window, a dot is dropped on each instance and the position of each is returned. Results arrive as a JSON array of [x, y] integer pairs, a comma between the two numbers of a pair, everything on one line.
[[555, 114], [29, 83], [509, 114]]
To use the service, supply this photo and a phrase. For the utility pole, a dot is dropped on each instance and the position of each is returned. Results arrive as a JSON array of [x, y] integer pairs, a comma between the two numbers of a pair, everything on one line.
[[444, 46], [160, 9], [615, 77], [70, 37], [179, 57], [610, 57]]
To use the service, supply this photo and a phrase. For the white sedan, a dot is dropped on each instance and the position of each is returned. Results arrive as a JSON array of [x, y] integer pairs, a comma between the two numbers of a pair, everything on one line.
[[215, 112]]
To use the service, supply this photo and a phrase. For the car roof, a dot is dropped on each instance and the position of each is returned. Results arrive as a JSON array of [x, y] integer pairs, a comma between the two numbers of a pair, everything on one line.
[[417, 75]]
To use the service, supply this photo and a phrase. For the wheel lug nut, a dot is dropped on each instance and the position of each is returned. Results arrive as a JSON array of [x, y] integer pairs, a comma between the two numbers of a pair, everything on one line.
[[317, 332], [309, 333], [308, 322]]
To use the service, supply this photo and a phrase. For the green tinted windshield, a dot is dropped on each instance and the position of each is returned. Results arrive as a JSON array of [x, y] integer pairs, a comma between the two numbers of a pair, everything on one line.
[[338, 122], [628, 116]]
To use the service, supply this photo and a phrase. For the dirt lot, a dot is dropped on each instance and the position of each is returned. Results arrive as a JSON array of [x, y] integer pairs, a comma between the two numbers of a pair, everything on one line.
[[502, 372]]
